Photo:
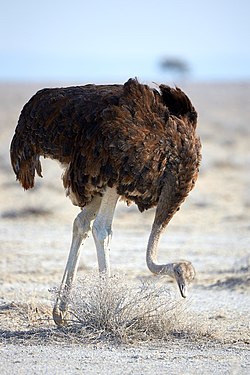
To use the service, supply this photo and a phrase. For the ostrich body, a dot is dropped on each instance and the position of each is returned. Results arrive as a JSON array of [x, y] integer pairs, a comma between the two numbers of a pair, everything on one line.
[[114, 141]]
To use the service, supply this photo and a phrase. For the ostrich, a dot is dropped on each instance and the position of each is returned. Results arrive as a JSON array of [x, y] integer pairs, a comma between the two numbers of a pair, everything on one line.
[[127, 141]]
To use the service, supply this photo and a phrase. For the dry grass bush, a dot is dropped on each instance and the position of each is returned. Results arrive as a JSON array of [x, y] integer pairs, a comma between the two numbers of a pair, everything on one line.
[[115, 310], [127, 311]]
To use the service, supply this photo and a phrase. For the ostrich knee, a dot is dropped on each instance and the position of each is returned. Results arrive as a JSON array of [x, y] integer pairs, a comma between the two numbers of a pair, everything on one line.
[[102, 236]]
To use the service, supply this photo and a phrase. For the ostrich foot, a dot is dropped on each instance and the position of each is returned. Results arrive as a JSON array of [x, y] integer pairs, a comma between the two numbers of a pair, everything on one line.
[[61, 317]]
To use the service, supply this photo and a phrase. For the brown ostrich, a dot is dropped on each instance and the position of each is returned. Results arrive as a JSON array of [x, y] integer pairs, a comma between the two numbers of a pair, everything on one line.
[[114, 141]]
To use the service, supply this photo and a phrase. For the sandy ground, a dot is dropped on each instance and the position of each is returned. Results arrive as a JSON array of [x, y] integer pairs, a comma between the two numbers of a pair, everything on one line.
[[212, 230]]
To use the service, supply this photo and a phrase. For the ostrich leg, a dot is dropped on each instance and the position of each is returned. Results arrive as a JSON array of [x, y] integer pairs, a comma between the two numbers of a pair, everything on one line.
[[81, 229], [102, 231]]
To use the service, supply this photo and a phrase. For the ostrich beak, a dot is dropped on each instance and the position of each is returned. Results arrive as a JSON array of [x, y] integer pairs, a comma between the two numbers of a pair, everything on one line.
[[184, 273], [183, 288]]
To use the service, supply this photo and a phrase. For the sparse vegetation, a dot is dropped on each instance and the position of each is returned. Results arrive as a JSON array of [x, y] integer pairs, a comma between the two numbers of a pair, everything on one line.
[[25, 213], [114, 310]]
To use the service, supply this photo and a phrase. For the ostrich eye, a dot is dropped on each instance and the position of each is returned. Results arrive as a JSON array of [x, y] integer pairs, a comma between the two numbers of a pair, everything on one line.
[[178, 272]]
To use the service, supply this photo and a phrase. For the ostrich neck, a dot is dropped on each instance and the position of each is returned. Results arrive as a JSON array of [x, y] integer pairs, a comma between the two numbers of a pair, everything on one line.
[[152, 251]]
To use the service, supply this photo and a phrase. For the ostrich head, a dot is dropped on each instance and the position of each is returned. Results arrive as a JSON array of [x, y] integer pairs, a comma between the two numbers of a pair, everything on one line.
[[183, 273]]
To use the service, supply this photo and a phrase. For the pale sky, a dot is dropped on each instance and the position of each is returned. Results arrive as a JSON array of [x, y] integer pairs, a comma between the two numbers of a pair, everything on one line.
[[112, 40]]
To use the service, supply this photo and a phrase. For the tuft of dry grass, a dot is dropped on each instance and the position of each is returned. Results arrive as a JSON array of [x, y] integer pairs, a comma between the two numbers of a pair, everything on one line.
[[107, 310], [127, 312]]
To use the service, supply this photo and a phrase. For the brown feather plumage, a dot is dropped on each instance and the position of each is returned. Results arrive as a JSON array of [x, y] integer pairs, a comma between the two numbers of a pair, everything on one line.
[[128, 136]]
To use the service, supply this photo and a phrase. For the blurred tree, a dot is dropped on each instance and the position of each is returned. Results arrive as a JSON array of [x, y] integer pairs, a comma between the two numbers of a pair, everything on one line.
[[175, 66]]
